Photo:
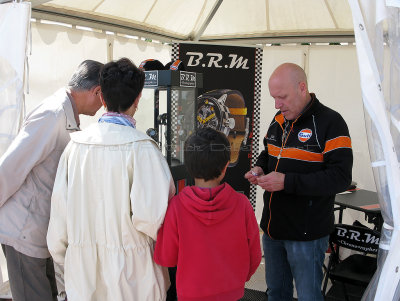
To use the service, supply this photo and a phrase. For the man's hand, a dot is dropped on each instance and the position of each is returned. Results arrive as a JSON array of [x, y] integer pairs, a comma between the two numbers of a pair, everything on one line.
[[253, 174], [274, 181]]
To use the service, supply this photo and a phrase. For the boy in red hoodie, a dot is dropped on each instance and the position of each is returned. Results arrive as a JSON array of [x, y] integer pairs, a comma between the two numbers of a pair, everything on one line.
[[210, 232]]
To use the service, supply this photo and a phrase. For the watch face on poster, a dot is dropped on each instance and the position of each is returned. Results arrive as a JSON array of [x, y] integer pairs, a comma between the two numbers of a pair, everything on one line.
[[208, 114], [224, 110]]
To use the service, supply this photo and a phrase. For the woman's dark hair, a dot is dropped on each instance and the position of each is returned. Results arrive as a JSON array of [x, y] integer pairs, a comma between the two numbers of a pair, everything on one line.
[[121, 83], [207, 152]]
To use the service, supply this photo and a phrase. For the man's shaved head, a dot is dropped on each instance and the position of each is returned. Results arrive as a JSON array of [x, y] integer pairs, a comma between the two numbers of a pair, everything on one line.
[[291, 72], [288, 86]]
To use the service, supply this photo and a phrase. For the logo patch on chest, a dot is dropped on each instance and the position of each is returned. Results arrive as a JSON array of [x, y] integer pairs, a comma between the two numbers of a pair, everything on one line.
[[304, 135]]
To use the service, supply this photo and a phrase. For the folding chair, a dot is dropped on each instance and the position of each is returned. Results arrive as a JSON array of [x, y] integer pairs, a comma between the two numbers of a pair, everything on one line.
[[356, 269]]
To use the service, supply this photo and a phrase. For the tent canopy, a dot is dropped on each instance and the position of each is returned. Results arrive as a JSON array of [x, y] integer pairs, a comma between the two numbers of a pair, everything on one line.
[[219, 21]]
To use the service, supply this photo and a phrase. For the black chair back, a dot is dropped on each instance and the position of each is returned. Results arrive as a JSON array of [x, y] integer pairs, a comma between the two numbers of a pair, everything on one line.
[[357, 238], [356, 269]]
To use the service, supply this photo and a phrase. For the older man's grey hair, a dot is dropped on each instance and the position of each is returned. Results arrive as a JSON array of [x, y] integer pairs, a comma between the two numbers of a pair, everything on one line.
[[86, 76]]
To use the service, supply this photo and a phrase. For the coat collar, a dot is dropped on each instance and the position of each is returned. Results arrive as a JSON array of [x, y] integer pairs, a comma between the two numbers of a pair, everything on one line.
[[109, 134]]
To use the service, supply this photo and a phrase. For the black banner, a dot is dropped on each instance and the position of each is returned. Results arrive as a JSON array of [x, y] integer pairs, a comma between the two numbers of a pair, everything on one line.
[[228, 99]]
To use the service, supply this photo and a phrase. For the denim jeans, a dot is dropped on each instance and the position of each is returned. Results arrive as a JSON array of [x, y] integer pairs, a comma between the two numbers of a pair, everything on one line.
[[302, 261]]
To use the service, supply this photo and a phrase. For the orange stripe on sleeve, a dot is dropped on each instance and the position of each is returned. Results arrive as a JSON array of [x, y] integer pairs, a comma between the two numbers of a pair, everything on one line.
[[339, 142], [295, 153], [273, 150]]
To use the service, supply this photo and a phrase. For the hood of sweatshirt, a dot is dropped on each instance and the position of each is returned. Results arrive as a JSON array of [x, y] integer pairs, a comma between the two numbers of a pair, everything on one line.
[[209, 205]]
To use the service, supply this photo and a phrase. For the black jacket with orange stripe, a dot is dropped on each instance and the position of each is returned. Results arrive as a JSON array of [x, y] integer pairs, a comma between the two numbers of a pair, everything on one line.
[[317, 160]]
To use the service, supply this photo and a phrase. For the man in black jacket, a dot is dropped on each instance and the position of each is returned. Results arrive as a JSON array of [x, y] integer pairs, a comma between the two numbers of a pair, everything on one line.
[[306, 161]]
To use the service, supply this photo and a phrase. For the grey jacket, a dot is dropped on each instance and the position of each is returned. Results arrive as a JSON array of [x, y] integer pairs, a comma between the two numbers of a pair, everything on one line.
[[27, 172]]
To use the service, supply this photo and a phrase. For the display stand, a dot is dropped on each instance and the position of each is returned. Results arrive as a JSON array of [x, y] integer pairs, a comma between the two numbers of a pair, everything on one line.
[[178, 120]]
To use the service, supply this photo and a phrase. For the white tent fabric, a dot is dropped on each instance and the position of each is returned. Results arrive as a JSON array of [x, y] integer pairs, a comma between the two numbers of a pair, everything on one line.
[[58, 50], [332, 71], [380, 90], [14, 28], [207, 20], [14, 32]]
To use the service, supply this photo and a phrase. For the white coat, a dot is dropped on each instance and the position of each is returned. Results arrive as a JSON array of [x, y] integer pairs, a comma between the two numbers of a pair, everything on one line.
[[109, 199]]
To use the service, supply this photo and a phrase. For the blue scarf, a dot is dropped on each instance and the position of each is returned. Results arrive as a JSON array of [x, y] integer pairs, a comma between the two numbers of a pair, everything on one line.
[[118, 118]]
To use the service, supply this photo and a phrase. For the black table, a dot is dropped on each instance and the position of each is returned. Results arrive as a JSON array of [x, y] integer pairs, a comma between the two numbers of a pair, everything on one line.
[[361, 200]]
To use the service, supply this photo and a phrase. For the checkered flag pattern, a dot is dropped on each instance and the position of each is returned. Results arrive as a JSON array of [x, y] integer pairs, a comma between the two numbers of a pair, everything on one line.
[[174, 105], [174, 120], [175, 52], [256, 120]]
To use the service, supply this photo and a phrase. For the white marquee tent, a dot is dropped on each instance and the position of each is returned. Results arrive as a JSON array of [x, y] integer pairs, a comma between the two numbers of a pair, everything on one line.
[[64, 32], [208, 20]]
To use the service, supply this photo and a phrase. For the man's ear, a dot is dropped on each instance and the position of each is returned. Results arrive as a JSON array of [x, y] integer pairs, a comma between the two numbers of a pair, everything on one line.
[[96, 90], [303, 87]]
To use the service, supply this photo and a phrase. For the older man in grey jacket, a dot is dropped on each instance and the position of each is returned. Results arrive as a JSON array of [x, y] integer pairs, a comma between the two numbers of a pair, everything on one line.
[[27, 173]]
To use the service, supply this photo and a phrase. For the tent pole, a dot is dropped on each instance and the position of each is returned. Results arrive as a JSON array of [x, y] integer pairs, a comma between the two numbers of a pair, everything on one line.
[[203, 27]]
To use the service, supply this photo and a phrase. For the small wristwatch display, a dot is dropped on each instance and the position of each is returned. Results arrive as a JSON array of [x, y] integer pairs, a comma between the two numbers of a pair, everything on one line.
[[212, 114], [224, 110]]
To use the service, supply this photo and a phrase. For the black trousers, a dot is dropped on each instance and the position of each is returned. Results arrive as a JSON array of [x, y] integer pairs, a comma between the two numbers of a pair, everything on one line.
[[31, 279], [171, 293]]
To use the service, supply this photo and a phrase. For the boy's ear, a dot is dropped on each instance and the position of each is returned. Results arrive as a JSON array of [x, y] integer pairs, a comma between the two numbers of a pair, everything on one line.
[[224, 170]]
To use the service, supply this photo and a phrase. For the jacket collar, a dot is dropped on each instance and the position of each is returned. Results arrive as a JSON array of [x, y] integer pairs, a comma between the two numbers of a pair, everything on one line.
[[308, 110], [74, 108], [68, 110]]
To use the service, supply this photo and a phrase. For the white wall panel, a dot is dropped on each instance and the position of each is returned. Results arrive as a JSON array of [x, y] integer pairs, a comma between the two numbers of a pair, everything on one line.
[[334, 77], [56, 53]]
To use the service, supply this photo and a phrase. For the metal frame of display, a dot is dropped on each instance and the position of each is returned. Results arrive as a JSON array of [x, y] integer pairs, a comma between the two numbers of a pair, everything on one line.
[[169, 80]]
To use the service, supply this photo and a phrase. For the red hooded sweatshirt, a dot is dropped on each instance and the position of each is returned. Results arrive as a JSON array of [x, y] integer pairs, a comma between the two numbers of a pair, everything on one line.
[[212, 236]]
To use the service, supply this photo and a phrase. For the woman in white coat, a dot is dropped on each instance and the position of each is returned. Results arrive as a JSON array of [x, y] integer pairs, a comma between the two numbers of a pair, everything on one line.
[[109, 199]]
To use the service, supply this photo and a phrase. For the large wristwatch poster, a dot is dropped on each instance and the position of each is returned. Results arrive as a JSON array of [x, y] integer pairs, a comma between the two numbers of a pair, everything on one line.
[[229, 101]]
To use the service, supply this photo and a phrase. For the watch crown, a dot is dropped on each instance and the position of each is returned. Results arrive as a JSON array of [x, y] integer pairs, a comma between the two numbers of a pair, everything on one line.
[[231, 123]]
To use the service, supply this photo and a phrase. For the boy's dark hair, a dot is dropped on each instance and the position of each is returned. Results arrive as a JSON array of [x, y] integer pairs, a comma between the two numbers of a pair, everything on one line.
[[207, 152], [121, 83]]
